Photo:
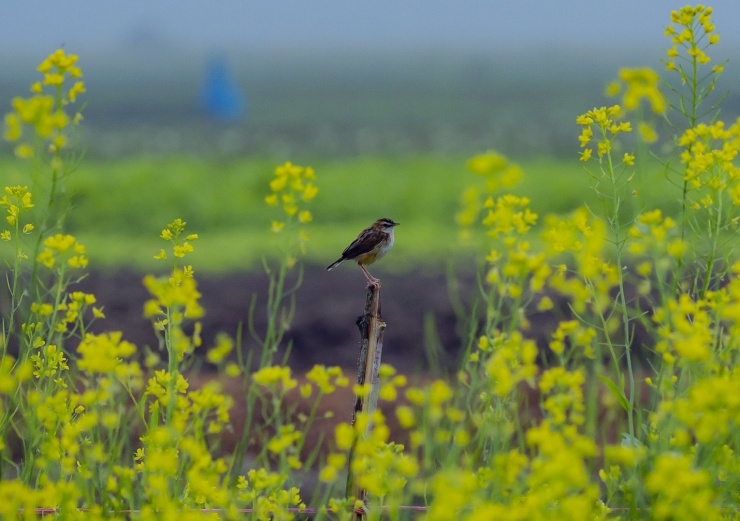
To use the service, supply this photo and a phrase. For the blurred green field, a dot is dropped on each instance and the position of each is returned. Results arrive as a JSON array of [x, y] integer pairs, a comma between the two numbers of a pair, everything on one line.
[[387, 136], [119, 207]]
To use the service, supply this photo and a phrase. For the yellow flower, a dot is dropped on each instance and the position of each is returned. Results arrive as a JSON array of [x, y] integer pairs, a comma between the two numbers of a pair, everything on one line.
[[278, 184], [642, 84], [305, 216], [406, 417], [103, 353], [273, 375], [224, 346], [680, 491], [53, 79], [647, 132], [182, 249], [327, 379], [344, 436], [613, 89], [24, 151], [488, 163], [309, 192], [77, 88], [77, 261], [586, 134], [13, 127]]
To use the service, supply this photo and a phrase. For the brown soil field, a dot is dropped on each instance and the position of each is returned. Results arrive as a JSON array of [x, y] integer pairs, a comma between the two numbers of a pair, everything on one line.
[[323, 329]]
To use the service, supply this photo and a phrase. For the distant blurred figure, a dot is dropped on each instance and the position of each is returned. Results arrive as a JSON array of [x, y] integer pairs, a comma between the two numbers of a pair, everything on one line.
[[221, 98]]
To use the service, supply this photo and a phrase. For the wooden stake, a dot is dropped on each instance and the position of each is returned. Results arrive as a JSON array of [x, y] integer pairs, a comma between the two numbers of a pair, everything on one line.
[[371, 328]]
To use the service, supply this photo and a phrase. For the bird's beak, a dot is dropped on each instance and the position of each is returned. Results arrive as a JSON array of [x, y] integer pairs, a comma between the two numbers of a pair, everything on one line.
[[395, 224]]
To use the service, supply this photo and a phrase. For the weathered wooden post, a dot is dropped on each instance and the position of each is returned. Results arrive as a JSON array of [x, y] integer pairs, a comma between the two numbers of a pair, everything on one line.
[[371, 327]]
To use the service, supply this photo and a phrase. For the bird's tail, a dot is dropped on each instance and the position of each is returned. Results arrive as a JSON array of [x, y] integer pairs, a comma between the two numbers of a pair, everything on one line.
[[335, 263]]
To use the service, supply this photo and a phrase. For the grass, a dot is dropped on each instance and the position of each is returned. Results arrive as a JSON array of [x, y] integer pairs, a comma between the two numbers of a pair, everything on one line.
[[120, 206]]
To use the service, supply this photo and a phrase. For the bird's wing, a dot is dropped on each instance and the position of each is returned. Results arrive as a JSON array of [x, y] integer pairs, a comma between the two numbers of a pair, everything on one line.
[[362, 244]]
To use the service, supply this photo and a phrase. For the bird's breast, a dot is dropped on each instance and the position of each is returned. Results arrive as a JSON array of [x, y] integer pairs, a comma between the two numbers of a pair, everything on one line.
[[376, 253], [387, 245]]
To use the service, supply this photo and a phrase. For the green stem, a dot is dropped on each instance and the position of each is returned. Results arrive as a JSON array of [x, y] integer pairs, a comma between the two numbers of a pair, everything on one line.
[[714, 244], [274, 301], [60, 286], [622, 299], [692, 117], [172, 364], [14, 301]]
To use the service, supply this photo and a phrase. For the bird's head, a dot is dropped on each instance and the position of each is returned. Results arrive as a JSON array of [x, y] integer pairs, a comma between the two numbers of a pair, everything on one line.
[[385, 224]]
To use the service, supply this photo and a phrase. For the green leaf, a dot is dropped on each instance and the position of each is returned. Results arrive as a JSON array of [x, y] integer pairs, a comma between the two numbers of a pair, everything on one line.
[[616, 392], [629, 441]]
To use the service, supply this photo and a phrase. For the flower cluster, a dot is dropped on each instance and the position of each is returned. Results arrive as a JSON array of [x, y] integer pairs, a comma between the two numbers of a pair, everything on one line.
[[497, 173], [175, 298], [559, 478], [290, 189], [65, 317], [639, 84], [563, 391], [326, 380], [692, 30], [181, 243], [511, 261], [105, 354], [45, 113], [572, 336], [509, 360], [378, 466], [657, 238], [710, 410], [50, 362], [275, 377], [680, 491], [17, 200], [63, 251], [512, 266], [605, 122], [708, 156], [163, 385], [581, 237], [686, 330], [653, 231], [219, 355], [267, 494]]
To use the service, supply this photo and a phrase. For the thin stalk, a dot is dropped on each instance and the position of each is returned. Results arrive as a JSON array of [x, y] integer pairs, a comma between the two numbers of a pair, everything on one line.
[[171, 368], [714, 245], [692, 117], [14, 301], [57, 302], [622, 299], [274, 301]]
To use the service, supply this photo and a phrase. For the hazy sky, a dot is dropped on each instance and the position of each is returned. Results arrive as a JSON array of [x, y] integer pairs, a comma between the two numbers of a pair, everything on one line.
[[78, 25]]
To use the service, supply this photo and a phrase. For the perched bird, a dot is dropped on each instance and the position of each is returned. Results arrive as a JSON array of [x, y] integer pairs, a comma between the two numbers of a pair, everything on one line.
[[372, 244]]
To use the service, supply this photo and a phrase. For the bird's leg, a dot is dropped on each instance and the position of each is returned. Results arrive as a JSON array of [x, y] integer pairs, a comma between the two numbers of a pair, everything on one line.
[[372, 281]]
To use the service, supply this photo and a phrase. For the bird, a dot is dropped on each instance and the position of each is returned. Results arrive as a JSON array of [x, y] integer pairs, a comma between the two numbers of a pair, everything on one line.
[[370, 245]]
